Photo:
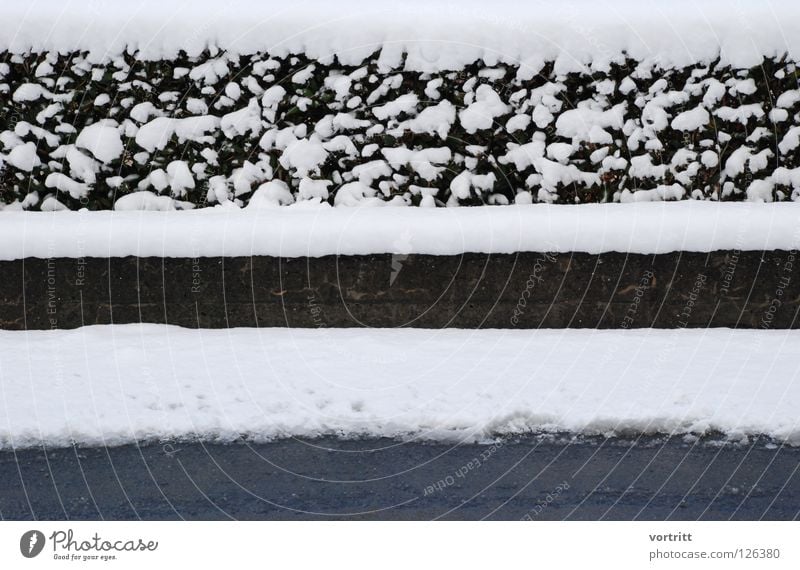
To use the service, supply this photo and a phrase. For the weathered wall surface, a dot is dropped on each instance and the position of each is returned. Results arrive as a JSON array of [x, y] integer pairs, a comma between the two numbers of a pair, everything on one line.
[[526, 290]]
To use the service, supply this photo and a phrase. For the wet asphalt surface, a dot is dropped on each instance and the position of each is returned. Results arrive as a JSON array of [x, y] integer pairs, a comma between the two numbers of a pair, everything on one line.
[[553, 478]]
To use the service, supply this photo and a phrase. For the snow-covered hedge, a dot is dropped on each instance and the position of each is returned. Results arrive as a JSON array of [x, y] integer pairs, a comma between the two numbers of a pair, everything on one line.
[[233, 129]]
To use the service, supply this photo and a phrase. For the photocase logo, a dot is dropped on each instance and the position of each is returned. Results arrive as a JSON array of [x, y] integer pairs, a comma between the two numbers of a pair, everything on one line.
[[31, 543]]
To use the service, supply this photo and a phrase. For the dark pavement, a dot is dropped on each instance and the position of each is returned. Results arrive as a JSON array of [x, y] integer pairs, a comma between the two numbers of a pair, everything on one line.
[[536, 478]]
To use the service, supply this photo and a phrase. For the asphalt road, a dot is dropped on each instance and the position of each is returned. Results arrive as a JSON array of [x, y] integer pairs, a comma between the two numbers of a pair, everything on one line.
[[531, 478]]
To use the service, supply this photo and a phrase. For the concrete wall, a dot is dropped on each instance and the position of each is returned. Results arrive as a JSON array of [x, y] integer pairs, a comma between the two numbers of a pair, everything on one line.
[[526, 290]]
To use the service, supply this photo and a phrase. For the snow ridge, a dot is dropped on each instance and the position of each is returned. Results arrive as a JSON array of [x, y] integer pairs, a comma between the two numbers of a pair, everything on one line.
[[298, 230], [436, 35]]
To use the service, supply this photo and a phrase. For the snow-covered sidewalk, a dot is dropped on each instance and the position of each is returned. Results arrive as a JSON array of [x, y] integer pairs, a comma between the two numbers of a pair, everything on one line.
[[295, 231], [119, 383]]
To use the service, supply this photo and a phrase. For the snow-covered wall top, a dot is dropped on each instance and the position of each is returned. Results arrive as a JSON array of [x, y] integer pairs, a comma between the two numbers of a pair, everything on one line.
[[306, 230], [435, 35]]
